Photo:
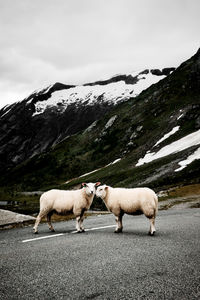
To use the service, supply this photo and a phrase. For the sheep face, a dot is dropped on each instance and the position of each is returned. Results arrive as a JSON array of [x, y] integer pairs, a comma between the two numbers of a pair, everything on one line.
[[101, 191], [90, 188]]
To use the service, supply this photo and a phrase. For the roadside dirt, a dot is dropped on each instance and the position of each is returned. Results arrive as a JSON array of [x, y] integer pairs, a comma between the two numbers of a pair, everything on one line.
[[192, 201]]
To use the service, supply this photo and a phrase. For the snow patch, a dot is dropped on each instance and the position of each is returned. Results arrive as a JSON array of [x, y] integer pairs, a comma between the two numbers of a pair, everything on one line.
[[190, 140], [175, 129], [189, 160], [110, 122], [146, 80], [111, 93]]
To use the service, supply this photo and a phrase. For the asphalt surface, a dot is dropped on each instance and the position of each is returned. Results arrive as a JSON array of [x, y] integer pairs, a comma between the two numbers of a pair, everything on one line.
[[100, 264]]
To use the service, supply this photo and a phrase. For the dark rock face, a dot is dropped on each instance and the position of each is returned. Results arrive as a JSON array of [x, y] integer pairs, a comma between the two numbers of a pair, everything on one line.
[[146, 71], [128, 79], [156, 72], [46, 93], [23, 136], [165, 71]]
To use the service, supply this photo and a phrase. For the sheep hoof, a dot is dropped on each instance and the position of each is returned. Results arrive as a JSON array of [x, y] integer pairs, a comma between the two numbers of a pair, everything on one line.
[[119, 230], [79, 231], [35, 232], [83, 230], [151, 233], [52, 230]]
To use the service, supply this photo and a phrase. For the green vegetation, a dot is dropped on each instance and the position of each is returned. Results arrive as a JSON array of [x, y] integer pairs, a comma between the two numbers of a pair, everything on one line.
[[18, 202]]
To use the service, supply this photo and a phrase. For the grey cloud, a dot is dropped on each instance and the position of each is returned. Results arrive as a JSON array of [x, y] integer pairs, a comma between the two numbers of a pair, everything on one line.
[[77, 40]]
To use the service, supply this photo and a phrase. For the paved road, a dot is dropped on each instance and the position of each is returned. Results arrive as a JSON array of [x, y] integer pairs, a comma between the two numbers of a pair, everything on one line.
[[99, 264]]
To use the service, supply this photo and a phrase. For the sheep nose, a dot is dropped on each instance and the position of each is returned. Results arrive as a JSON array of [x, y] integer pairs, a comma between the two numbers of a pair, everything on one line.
[[91, 192]]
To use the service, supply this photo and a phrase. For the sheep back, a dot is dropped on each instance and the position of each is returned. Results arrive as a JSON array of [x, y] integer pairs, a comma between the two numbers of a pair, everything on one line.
[[62, 201], [132, 200]]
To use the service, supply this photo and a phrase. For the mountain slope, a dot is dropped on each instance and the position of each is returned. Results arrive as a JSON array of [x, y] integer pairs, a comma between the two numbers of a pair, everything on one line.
[[52, 114], [142, 141]]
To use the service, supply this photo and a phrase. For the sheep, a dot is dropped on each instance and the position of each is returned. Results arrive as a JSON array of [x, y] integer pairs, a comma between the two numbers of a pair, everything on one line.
[[63, 202], [129, 201]]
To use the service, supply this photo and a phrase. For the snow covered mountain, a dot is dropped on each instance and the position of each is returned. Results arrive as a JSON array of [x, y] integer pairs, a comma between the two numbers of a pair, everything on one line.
[[50, 115], [117, 89], [102, 131]]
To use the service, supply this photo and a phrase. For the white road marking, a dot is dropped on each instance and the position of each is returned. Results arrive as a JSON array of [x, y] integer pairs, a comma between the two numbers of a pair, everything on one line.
[[42, 237], [59, 234], [96, 228]]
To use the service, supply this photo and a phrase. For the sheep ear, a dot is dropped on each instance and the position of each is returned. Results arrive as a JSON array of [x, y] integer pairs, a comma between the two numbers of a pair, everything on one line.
[[97, 183], [83, 184]]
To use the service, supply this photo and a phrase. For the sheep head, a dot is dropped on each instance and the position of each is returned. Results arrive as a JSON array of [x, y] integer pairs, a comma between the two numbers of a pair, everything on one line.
[[90, 188], [101, 191]]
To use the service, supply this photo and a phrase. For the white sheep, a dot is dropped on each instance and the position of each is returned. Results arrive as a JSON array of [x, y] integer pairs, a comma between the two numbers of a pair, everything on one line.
[[64, 202], [130, 201]]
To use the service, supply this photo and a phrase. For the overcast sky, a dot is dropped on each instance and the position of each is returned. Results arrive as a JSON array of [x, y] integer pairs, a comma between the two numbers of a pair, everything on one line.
[[77, 41]]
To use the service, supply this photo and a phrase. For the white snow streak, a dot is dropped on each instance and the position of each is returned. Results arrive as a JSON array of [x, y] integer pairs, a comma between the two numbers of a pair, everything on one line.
[[29, 101], [180, 117], [89, 173], [6, 112], [43, 90], [112, 163], [110, 122], [175, 129], [188, 160], [47, 89], [177, 146]]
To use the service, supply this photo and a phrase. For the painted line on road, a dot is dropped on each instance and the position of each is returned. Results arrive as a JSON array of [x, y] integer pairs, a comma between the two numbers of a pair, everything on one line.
[[59, 234], [96, 228], [42, 237]]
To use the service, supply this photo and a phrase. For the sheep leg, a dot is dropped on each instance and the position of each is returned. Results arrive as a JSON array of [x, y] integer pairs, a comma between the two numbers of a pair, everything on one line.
[[38, 220], [81, 224], [49, 221], [119, 223], [79, 221], [152, 229], [78, 224]]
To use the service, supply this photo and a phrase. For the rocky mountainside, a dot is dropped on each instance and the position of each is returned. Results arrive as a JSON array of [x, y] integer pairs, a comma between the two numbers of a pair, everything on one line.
[[50, 115], [152, 139]]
